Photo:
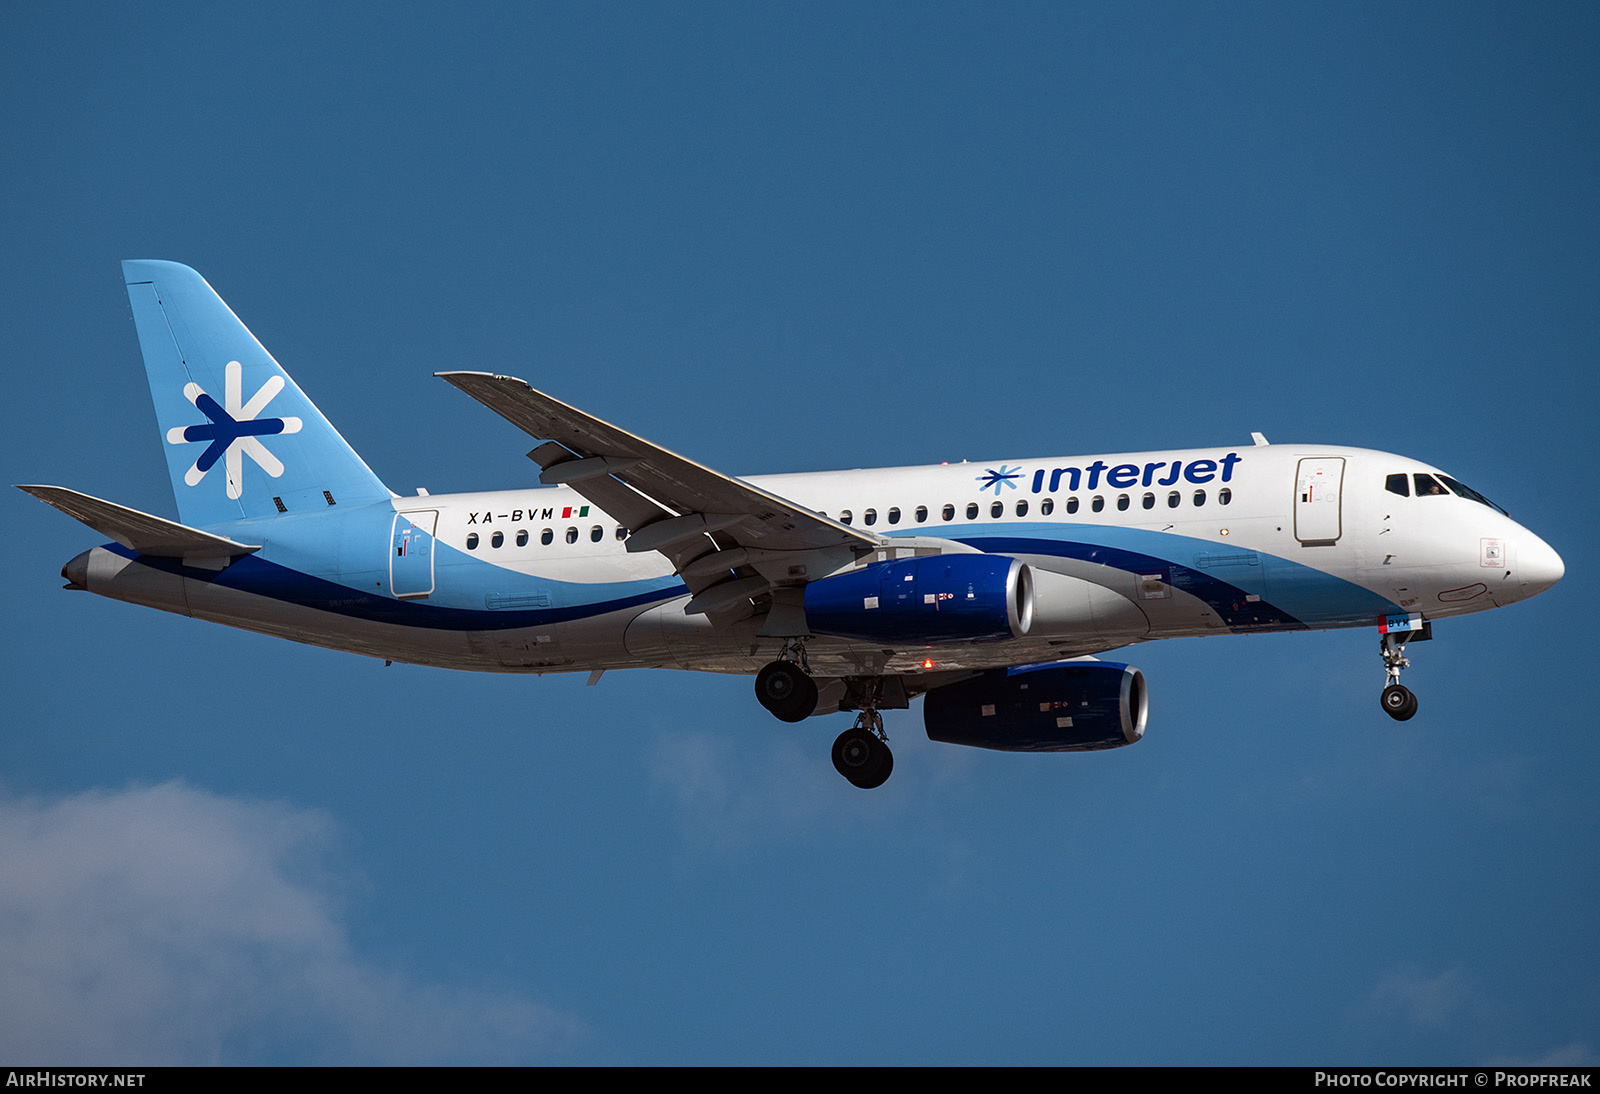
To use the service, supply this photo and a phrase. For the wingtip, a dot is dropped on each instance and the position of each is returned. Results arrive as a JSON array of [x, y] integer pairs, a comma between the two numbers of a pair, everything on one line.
[[463, 374]]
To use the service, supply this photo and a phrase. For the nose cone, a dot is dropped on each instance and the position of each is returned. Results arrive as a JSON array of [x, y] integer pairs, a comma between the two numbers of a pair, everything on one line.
[[1538, 566]]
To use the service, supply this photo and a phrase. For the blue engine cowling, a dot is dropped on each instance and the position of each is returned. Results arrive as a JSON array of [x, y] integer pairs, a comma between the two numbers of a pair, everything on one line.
[[1068, 706], [937, 598]]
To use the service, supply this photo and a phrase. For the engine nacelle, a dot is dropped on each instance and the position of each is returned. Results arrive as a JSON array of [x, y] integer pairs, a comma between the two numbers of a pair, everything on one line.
[[936, 598], [1067, 706]]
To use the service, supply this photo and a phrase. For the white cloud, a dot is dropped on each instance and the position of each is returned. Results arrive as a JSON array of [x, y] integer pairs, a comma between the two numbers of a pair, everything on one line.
[[1428, 1002], [168, 925], [1576, 1054], [729, 796], [732, 793]]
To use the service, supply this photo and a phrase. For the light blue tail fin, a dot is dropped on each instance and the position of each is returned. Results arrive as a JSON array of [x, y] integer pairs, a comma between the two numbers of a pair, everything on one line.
[[241, 438]]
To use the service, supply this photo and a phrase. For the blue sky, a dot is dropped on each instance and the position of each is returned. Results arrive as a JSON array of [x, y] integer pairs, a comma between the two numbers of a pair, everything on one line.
[[794, 237]]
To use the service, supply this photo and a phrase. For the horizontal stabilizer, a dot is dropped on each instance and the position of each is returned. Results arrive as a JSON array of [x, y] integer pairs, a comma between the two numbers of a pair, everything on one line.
[[141, 532]]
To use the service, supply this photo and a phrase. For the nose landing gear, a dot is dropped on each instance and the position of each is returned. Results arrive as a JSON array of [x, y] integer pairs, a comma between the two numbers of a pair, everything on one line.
[[1397, 700]]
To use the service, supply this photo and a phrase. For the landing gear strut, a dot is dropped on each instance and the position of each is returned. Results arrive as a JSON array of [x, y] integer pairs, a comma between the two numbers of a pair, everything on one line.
[[1397, 700]]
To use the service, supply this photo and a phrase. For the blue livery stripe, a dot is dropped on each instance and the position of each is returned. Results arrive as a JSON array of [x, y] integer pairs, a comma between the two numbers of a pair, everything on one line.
[[260, 577]]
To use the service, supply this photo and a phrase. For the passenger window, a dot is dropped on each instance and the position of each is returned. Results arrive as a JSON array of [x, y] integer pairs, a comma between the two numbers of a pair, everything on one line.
[[1072, 505], [522, 537], [472, 541], [1428, 486], [596, 534], [1396, 484], [1122, 502], [1022, 508], [1149, 501], [870, 517], [572, 535], [622, 533], [972, 510], [1047, 506], [845, 517], [922, 513], [497, 539], [998, 509], [1199, 498], [1225, 495], [1173, 499], [894, 515], [949, 512], [1098, 503], [547, 536]]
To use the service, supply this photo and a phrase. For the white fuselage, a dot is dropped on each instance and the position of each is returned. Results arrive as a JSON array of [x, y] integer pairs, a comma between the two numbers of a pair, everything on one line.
[[1125, 548]]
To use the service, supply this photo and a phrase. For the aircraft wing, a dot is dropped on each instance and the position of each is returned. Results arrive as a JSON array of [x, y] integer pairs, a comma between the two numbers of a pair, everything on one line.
[[669, 503], [142, 532]]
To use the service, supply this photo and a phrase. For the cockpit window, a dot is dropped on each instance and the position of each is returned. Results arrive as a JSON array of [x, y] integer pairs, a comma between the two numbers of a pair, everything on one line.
[[1469, 493], [1398, 484], [1427, 487]]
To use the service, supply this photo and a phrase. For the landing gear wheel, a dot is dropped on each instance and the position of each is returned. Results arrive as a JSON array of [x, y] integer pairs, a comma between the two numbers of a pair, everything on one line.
[[884, 771], [1398, 702], [785, 690], [862, 758]]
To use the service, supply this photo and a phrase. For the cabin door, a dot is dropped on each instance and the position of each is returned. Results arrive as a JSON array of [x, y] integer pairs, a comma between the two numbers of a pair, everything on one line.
[[411, 554], [1317, 509]]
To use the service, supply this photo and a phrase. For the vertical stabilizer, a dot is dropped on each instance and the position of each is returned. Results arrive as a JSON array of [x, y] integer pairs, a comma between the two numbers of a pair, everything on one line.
[[241, 438]]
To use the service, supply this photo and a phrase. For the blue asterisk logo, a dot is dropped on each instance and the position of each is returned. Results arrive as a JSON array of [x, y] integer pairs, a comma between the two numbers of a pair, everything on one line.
[[998, 479], [232, 432]]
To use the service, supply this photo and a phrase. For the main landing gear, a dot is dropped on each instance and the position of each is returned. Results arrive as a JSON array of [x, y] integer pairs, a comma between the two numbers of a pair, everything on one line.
[[861, 753], [1398, 702], [785, 689]]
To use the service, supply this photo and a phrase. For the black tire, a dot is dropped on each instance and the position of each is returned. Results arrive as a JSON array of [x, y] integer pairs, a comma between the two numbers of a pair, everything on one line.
[[786, 691], [802, 705], [1398, 702], [885, 767], [862, 758]]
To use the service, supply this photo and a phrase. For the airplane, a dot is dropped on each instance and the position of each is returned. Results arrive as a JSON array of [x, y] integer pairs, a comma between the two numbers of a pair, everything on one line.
[[987, 589]]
